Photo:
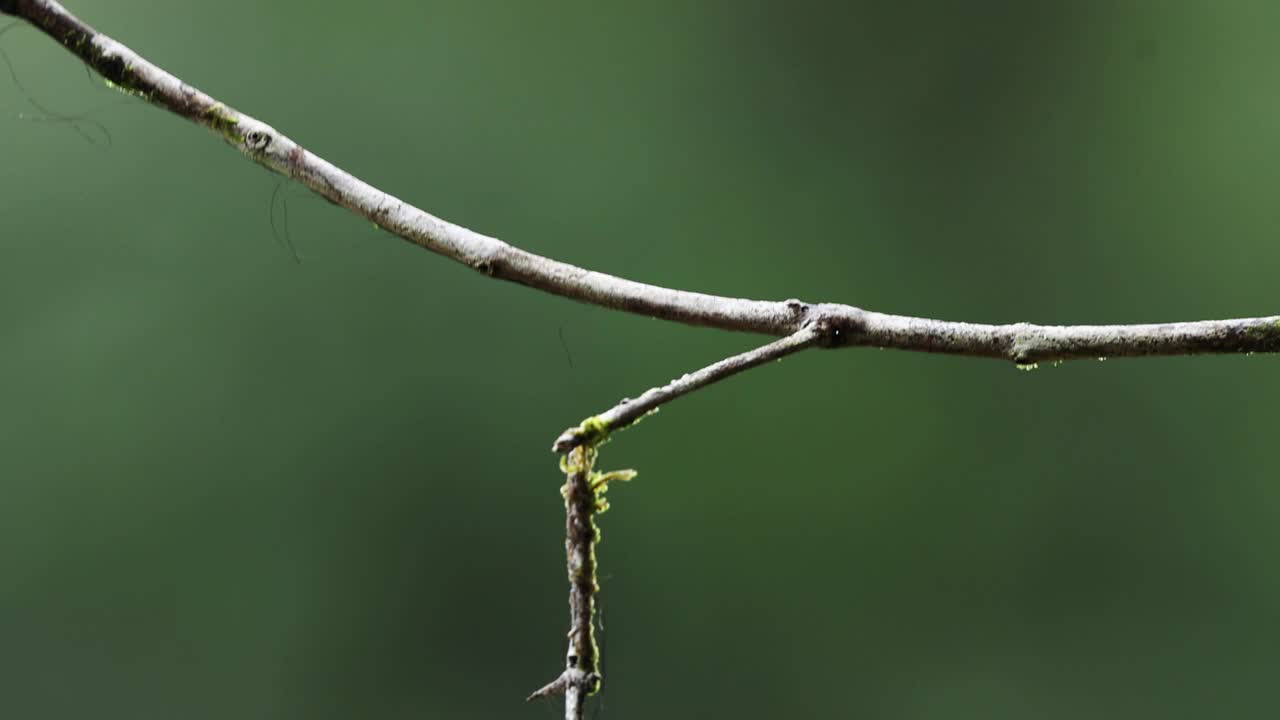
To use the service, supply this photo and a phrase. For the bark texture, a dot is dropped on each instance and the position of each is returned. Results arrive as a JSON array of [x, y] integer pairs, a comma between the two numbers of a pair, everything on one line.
[[844, 325], [583, 490]]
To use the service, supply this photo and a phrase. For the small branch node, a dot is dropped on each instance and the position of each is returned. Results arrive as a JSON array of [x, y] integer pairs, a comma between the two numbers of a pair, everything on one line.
[[490, 262], [555, 687], [257, 141], [798, 309], [585, 682], [836, 325], [1025, 349]]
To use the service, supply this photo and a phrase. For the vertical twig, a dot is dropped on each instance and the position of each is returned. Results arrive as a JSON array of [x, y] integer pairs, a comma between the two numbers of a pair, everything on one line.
[[583, 493]]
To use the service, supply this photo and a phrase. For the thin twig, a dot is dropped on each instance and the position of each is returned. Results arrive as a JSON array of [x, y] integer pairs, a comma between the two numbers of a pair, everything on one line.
[[848, 326], [595, 429], [583, 492]]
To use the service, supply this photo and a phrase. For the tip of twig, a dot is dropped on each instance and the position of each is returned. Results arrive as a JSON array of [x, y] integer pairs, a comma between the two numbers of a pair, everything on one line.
[[586, 682], [555, 687], [568, 440], [592, 431]]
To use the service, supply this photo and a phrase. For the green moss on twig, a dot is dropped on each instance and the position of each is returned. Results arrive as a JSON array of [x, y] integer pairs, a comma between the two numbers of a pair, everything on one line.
[[583, 491], [222, 121], [593, 431]]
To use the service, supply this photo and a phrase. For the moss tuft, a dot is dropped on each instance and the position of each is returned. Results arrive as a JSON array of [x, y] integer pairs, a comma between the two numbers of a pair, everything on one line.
[[223, 122], [593, 431]]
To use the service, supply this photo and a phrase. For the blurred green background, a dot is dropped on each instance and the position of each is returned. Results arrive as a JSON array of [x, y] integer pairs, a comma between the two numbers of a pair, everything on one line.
[[233, 485]]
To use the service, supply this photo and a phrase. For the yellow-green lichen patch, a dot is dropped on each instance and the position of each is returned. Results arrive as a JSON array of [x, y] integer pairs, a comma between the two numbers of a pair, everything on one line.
[[599, 484], [593, 431], [124, 88], [583, 492], [580, 459], [223, 121], [117, 72], [1262, 336]]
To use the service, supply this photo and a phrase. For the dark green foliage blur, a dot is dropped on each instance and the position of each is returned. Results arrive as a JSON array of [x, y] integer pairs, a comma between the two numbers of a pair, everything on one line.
[[235, 486]]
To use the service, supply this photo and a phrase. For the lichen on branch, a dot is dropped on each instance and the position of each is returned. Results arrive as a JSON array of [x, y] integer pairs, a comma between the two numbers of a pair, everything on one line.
[[584, 498]]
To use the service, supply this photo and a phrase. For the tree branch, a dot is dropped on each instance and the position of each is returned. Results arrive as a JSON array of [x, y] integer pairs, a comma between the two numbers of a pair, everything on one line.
[[596, 428], [845, 325]]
